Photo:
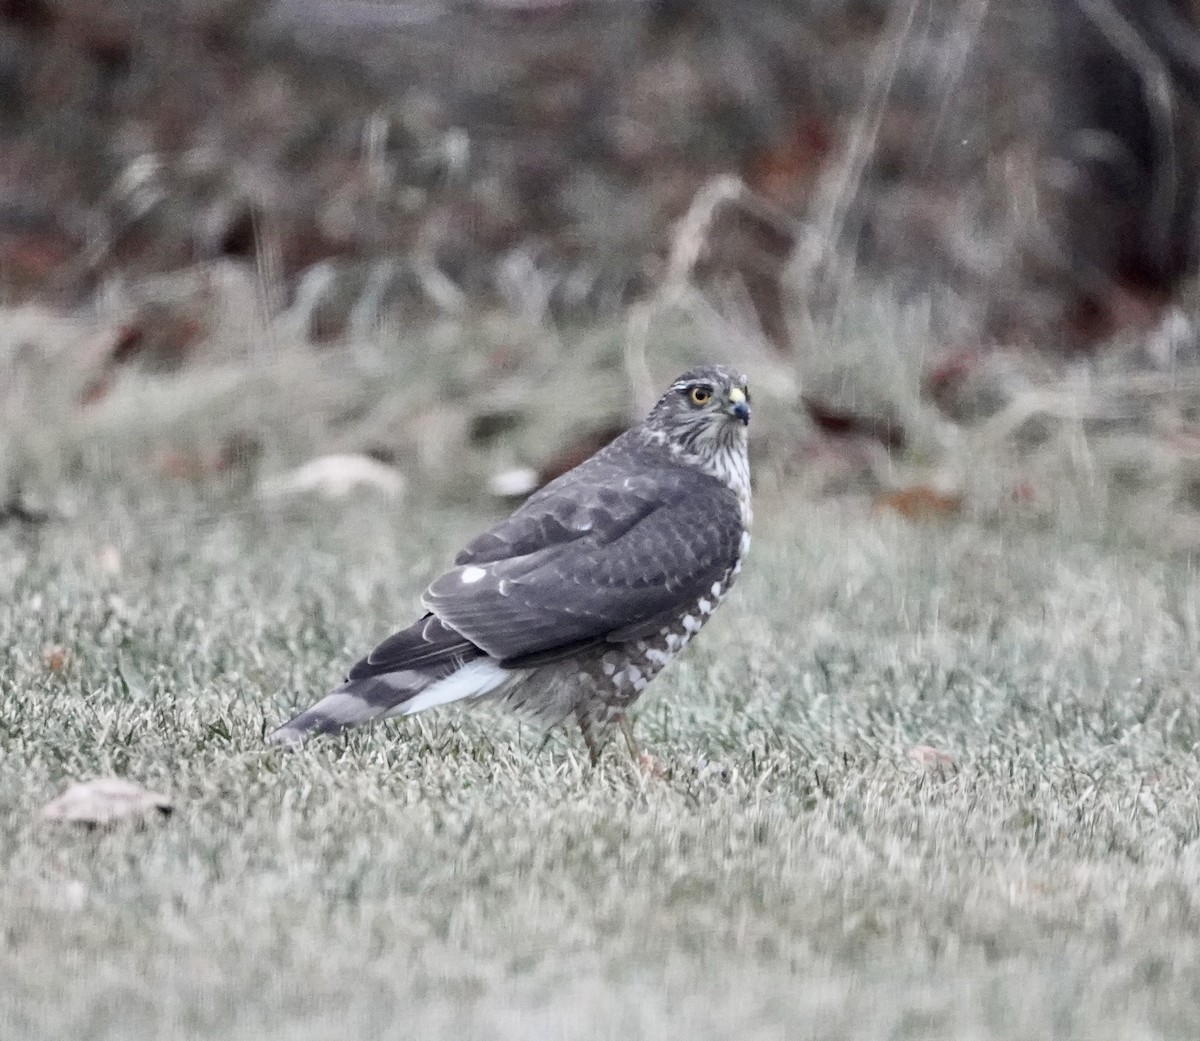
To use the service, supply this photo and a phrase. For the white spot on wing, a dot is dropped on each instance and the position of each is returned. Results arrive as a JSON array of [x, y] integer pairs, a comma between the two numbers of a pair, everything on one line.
[[705, 607], [471, 575], [691, 623]]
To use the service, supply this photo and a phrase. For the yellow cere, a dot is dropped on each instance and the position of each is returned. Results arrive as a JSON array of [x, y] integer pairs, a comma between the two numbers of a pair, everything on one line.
[[737, 395]]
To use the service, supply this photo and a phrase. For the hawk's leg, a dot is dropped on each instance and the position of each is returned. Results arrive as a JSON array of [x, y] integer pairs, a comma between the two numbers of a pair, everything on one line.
[[635, 749], [642, 760], [589, 737]]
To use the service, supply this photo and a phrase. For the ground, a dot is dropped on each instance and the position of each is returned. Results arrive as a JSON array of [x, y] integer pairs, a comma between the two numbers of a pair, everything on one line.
[[920, 781]]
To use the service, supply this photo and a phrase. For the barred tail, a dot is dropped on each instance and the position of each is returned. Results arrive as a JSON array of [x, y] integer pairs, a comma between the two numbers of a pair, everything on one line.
[[428, 664], [352, 704]]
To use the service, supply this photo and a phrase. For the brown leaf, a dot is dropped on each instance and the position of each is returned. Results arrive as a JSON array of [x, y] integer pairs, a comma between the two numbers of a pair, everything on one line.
[[96, 389], [921, 503], [786, 171], [931, 758], [842, 422], [105, 801], [54, 658]]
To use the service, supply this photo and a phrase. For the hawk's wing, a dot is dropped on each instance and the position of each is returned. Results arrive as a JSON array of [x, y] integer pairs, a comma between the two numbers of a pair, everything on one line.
[[427, 644], [591, 558]]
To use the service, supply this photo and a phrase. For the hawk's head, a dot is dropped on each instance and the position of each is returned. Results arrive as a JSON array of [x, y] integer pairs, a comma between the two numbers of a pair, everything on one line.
[[708, 403], [702, 420]]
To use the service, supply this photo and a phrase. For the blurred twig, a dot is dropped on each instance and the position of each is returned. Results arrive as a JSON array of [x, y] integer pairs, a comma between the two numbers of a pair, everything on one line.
[[837, 190], [678, 289], [1155, 78]]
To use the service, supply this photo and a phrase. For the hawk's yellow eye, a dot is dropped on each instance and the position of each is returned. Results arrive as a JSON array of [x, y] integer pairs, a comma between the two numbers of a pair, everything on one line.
[[700, 395]]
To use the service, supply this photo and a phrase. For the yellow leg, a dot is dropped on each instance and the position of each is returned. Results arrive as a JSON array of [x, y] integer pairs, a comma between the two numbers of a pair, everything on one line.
[[627, 729], [641, 760]]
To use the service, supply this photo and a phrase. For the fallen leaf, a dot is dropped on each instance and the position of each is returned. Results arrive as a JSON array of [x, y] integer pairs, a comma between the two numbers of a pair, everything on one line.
[[335, 477], [844, 422], [72, 895], [515, 483], [104, 801], [931, 758], [108, 560], [921, 503], [180, 465], [96, 389], [650, 766]]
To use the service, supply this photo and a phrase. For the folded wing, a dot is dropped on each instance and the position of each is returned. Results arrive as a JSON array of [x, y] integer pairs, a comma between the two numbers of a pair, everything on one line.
[[591, 561]]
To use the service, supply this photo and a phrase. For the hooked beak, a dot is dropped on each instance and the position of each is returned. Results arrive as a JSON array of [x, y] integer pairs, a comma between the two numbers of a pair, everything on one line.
[[739, 407]]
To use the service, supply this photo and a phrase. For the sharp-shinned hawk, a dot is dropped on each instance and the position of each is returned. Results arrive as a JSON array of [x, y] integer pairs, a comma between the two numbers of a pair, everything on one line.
[[571, 606]]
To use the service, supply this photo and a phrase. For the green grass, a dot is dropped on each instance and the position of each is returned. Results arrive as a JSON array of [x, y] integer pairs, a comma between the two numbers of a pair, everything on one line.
[[795, 873]]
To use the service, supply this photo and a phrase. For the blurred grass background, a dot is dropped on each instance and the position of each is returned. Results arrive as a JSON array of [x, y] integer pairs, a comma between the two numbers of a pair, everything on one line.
[[932, 771]]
